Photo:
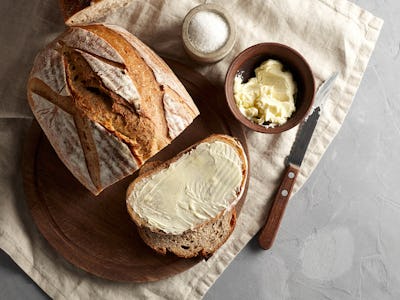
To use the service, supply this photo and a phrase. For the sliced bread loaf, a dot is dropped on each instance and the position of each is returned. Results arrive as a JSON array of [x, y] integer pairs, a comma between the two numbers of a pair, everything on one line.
[[187, 205], [106, 102]]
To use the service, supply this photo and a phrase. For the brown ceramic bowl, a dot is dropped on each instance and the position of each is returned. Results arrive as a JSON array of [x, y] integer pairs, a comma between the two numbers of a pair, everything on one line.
[[250, 59]]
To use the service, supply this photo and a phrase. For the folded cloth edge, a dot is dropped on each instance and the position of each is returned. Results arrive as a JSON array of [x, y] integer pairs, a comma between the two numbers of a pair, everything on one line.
[[8, 244]]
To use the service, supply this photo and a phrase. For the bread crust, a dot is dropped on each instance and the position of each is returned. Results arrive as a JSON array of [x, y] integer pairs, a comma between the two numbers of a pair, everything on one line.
[[87, 11], [95, 76], [144, 227], [203, 241], [71, 7]]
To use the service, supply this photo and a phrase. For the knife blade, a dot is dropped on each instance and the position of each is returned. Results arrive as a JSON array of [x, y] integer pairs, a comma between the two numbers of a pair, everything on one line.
[[294, 160], [306, 130]]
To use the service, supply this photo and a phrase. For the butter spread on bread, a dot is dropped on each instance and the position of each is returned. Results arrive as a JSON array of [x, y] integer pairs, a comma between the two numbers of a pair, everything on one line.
[[98, 95], [199, 185], [189, 196]]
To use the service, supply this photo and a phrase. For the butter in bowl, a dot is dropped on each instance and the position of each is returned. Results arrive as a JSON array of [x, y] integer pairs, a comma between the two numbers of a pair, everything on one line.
[[269, 88]]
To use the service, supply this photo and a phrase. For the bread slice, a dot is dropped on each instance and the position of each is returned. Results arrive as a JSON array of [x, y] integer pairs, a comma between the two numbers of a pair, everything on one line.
[[87, 11], [202, 236]]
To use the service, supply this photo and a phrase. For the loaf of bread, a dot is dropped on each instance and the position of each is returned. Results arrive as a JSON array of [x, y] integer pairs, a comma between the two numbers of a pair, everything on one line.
[[186, 205], [87, 11], [106, 102]]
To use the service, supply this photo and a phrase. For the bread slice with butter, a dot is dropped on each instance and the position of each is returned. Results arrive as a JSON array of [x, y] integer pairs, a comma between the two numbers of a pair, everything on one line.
[[186, 205]]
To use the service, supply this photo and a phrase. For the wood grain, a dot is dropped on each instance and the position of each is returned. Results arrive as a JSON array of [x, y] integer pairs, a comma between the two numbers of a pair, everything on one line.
[[95, 233], [270, 229]]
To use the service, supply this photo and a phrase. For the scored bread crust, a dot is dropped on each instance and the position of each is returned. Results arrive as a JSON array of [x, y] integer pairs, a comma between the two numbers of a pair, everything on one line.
[[161, 241], [86, 11], [101, 106]]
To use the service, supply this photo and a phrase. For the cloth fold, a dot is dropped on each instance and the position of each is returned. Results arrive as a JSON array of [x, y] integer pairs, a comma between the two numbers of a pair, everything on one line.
[[333, 35]]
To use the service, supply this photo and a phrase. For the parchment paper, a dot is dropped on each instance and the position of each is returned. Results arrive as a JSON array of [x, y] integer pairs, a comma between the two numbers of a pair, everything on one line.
[[333, 35]]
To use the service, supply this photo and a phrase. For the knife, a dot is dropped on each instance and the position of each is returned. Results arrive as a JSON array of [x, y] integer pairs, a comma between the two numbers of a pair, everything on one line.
[[294, 160]]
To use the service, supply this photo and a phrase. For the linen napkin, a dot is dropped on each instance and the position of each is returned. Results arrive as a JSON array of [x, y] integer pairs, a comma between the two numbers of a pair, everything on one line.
[[333, 35]]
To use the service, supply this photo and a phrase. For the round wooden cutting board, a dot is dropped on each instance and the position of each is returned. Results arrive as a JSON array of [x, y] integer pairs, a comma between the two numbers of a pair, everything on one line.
[[95, 233]]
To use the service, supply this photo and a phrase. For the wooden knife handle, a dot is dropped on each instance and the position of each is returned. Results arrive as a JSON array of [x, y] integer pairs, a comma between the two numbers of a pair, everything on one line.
[[270, 229]]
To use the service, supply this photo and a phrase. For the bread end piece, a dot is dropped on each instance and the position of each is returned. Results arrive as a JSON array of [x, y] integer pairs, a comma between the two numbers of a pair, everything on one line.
[[88, 11]]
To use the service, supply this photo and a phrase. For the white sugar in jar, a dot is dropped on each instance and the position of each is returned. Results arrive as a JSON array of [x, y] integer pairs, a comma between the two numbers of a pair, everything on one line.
[[208, 33]]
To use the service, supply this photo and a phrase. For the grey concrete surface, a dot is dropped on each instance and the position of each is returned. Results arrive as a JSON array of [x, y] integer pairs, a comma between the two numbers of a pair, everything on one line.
[[339, 238]]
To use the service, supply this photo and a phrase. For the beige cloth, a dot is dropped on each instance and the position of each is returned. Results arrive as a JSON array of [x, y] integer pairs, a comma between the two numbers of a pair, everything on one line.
[[333, 35]]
